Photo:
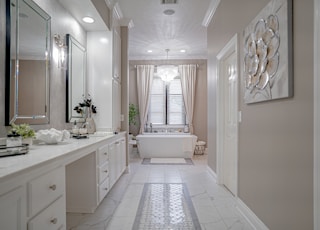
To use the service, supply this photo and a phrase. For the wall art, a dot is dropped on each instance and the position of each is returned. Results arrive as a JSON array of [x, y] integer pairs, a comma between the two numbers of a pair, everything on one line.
[[268, 53]]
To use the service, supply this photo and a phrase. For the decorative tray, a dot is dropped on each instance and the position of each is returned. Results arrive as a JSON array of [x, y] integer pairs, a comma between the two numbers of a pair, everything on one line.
[[79, 136], [12, 151]]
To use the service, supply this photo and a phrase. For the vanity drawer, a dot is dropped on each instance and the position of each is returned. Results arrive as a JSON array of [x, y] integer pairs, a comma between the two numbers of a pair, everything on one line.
[[45, 189], [103, 189], [103, 155], [52, 218], [103, 172]]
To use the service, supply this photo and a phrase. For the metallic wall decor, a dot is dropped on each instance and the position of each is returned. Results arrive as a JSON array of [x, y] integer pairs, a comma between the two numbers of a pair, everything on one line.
[[268, 54]]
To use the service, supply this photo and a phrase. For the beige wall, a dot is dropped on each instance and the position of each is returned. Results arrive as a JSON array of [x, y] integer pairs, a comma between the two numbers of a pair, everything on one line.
[[275, 138], [61, 23], [200, 110], [31, 99]]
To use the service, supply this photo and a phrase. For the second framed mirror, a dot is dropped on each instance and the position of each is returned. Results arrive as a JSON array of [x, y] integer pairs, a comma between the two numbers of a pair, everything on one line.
[[75, 77]]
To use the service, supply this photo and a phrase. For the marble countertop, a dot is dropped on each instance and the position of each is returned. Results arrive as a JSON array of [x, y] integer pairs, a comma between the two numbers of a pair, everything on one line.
[[42, 153]]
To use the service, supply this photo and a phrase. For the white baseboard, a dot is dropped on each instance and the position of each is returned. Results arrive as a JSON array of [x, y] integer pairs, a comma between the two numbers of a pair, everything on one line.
[[249, 215], [212, 173]]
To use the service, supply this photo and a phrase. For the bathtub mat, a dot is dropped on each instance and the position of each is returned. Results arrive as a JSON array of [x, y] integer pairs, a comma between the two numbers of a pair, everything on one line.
[[166, 206], [167, 161]]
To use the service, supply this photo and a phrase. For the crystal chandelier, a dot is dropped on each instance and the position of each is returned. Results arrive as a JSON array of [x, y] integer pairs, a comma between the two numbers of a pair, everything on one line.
[[167, 72]]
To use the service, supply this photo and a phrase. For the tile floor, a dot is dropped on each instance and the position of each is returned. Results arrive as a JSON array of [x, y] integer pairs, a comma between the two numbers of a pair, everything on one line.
[[214, 206]]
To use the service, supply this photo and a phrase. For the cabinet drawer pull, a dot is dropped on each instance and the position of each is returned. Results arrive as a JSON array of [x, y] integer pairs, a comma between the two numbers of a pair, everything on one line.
[[105, 171], [53, 187], [105, 153], [54, 221], [106, 189]]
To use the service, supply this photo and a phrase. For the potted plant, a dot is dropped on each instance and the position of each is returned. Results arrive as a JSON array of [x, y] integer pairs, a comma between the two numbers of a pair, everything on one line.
[[25, 131], [87, 103], [133, 113]]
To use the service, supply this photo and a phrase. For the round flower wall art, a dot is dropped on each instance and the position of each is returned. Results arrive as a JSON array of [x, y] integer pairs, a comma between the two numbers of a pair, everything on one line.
[[267, 54]]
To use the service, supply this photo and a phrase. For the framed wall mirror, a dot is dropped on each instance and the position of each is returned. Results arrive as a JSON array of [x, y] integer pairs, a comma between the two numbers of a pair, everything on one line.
[[28, 36], [76, 77]]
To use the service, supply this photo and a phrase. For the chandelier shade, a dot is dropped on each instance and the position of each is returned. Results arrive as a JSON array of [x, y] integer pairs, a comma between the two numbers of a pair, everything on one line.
[[167, 72]]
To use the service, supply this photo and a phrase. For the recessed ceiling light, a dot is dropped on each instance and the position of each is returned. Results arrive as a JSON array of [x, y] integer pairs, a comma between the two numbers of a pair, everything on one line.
[[182, 51], [169, 12], [88, 19], [149, 51]]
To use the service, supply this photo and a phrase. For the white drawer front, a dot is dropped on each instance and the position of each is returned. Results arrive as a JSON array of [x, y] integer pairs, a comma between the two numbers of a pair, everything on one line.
[[103, 189], [103, 155], [45, 189], [103, 172], [52, 218]]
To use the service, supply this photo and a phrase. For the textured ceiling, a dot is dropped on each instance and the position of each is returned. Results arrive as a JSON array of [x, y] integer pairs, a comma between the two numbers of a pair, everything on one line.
[[153, 30]]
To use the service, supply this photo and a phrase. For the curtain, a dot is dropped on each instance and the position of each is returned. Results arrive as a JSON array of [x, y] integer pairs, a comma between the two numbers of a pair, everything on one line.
[[144, 84], [188, 75]]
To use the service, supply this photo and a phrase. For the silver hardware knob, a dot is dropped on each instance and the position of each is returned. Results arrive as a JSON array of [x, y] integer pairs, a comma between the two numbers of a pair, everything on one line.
[[53, 187], [54, 221]]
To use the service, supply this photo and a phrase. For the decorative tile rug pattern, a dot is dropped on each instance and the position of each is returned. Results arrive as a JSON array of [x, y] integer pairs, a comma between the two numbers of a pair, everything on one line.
[[167, 161], [166, 206]]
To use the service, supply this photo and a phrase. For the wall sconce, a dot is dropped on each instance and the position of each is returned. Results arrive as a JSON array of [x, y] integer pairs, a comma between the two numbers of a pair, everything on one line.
[[62, 51]]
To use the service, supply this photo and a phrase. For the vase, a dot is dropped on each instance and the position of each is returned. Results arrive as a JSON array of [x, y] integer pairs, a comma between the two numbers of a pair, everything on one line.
[[91, 126], [27, 140]]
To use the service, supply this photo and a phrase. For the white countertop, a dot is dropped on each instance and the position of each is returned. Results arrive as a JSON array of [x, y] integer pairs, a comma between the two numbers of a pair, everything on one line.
[[42, 153]]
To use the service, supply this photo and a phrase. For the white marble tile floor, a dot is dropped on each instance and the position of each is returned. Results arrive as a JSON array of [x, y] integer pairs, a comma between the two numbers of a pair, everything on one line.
[[215, 207]]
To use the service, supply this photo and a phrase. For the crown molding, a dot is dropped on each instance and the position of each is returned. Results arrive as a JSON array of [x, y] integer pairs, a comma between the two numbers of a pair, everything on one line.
[[210, 12], [109, 3], [117, 11], [127, 22]]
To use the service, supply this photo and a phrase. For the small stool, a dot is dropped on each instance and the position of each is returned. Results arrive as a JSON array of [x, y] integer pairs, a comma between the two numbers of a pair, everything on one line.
[[200, 148]]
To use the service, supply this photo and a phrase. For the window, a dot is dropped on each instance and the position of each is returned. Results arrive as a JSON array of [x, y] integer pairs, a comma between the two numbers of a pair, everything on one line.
[[166, 103]]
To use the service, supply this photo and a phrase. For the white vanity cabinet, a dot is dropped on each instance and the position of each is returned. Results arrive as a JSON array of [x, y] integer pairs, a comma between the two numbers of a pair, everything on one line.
[[37, 203], [103, 172], [117, 159], [13, 209], [37, 189], [46, 201], [89, 179]]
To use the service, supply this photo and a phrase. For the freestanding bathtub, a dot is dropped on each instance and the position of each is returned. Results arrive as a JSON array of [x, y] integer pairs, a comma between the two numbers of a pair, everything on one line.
[[151, 145]]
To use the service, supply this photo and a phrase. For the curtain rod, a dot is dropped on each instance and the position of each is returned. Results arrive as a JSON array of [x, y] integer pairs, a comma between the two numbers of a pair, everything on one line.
[[135, 66]]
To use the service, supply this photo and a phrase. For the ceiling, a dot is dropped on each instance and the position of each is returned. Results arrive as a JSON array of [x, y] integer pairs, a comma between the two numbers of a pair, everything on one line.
[[152, 29]]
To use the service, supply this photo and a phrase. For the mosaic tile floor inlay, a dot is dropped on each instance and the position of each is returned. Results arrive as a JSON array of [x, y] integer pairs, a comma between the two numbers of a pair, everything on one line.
[[166, 206]]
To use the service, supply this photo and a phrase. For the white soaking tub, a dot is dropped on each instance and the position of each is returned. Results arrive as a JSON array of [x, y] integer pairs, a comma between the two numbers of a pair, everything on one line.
[[157, 145]]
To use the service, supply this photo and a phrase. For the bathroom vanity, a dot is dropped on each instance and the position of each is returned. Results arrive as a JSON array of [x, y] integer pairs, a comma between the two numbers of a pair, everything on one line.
[[37, 189]]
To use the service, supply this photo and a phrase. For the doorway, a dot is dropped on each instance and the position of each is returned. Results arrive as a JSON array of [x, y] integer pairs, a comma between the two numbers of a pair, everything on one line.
[[227, 118]]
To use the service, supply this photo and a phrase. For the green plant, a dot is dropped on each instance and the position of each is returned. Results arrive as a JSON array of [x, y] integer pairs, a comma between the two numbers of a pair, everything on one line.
[[24, 130], [133, 112]]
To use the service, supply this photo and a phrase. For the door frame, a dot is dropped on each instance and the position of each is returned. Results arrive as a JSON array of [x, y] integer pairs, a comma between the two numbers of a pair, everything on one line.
[[231, 46], [316, 105]]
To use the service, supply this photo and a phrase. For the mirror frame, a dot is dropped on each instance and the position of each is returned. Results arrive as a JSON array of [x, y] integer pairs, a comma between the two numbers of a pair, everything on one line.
[[70, 79], [43, 118]]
